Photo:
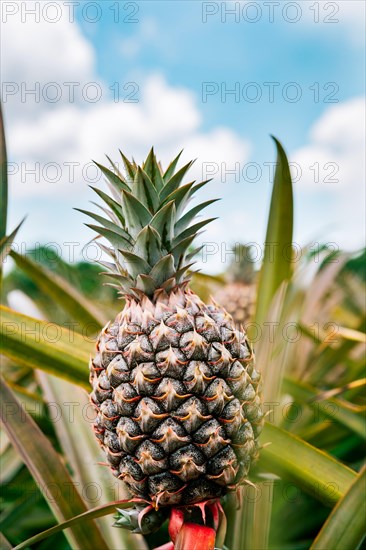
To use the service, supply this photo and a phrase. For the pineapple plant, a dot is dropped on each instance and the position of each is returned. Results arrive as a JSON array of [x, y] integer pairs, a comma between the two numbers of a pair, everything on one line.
[[175, 388], [238, 295], [324, 451]]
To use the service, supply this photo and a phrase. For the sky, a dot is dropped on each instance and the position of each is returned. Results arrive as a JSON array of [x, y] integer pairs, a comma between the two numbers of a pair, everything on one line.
[[84, 79]]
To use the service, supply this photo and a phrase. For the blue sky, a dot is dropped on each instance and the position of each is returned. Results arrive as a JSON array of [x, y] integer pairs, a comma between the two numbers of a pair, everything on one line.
[[168, 54]]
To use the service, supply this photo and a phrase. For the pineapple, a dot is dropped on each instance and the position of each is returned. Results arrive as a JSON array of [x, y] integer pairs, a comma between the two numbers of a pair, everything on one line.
[[238, 295], [175, 389]]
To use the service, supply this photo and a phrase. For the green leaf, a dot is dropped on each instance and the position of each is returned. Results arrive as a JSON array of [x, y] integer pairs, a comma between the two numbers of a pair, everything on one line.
[[148, 245], [47, 470], [113, 205], [43, 345], [116, 240], [6, 242], [312, 470], [171, 168], [335, 409], [146, 284], [3, 178], [113, 179], [192, 254], [137, 216], [79, 445], [129, 167], [184, 222], [116, 170], [53, 285], [148, 163], [163, 222], [4, 543], [345, 526], [144, 190], [179, 274], [192, 231], [174, 182], [276, 267], [98, 512], [163, 270], [107, 224], [152, 169], [135, 264], [183, 195], [111, 215], [179, 250]]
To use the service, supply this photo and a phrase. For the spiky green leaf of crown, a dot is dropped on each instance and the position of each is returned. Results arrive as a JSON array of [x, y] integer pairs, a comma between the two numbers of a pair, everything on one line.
[[147, 225]]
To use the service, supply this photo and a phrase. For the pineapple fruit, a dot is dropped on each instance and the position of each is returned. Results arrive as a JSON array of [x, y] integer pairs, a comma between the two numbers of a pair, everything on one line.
[[174, 385], [238, 295]]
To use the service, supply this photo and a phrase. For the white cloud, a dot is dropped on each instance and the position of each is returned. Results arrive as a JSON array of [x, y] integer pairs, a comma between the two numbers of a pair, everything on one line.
[[337, 150], [166, 117], [344, 16], [55, 135], [41, 50], [36, 52]]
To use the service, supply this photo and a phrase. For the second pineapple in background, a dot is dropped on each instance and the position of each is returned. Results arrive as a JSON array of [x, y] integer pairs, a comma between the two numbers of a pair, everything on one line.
[[238, 296]]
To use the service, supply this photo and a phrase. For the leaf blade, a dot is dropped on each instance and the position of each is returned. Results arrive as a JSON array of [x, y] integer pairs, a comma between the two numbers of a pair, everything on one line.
[[314, 470], [277, 268], [61, 291], [47, 469], [345, 526], [30, 342]]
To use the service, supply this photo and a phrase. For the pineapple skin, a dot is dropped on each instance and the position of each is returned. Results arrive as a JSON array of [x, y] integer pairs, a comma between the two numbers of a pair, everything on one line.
[[239, 301], [177, 399]]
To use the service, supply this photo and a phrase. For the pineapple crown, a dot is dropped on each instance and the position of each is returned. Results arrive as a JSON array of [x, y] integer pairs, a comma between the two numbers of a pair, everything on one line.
[[241, 267], [147, 226]]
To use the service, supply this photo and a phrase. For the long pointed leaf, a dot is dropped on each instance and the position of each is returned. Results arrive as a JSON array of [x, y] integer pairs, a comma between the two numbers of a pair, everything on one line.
[[345, 526], [163, 222], [135, 264], [61, 291], [83, 453], [144, 191], [137, 216], [171, 168], [129, 167], [116, 239], [148, 245], [276, 266], [113, 179], [47, 470], [113, 205], [185, 220], [163, 270], [152, 169], [192, 230], [7, 241], [98, 512], [174, 182], [276, 269], [312, 470], [3, 179], [335, 409], [46, 346], [106, 223]]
